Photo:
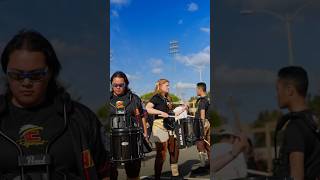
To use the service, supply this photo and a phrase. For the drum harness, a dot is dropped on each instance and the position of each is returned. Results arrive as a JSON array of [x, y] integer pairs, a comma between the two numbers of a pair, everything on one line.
[[38, 159], [137, 117], [130, 101]]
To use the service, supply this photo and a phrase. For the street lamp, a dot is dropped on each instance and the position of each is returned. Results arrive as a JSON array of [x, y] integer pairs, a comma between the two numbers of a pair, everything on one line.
[[287, 19]]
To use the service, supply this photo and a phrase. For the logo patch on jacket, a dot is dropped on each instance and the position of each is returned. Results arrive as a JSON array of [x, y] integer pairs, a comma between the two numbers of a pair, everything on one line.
[[87, 159], [30, 135], [119, 105]]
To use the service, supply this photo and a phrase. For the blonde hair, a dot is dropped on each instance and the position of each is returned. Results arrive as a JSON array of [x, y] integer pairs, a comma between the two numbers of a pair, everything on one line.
[[157, 89]]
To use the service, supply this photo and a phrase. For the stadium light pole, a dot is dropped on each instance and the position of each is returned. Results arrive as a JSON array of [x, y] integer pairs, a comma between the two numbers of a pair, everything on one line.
[[174, 50], [287, 19]]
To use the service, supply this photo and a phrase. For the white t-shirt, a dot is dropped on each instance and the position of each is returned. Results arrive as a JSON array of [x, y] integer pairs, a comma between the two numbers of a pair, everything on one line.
[[237, 168]]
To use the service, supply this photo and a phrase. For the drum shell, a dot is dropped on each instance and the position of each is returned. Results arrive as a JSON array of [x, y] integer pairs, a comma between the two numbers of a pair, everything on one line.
[[126, 144], [187, 125], [198, 128]]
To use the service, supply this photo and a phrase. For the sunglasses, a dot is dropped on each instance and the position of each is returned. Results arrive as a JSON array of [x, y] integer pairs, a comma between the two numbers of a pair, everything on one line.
[[34, 76], [122, 85]]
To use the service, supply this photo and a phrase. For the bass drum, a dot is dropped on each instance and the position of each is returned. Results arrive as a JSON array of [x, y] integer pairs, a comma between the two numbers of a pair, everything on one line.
[[126, 144]]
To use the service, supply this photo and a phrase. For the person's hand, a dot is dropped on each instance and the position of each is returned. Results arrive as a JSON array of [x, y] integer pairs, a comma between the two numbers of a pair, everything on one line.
[[186, 106], [145, 135], [240, 144], [164, 115]]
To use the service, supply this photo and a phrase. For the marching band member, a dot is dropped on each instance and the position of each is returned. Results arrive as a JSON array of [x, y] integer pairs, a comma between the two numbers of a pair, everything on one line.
[[53, 136], [203, 103], [160, 105], [121, 97]]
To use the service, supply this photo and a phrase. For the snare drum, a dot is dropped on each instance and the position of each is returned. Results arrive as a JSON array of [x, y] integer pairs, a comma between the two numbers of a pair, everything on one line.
[[126, 144], [188, 128]]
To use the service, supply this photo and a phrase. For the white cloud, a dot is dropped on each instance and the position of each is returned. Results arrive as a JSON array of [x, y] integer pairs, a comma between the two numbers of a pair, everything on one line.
[[180, 21], [156, 70], [198, 60], [114, 13], [132, 77], [120, 2], [156, 65], [182, 85], [243, 76], [205, 29], [193, 7]]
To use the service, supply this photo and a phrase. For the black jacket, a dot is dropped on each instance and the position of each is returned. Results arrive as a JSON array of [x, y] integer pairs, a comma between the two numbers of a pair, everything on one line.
[[87, 134]]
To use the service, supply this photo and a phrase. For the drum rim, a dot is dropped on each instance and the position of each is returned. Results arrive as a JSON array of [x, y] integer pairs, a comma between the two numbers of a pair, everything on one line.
[[126, 129]]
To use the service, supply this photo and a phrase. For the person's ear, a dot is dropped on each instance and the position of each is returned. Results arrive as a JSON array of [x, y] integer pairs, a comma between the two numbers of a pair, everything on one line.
[[290, 90]]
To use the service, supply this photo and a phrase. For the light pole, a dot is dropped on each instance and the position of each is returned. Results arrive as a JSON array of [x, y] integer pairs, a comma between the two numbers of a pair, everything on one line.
[[174, 50], [287, 19]]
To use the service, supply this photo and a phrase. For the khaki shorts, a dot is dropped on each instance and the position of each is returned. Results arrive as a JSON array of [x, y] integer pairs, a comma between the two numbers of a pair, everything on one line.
[[159, 132]]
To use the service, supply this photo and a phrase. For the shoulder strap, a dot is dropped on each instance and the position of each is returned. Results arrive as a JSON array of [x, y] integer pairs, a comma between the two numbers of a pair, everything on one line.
[[308, 122]]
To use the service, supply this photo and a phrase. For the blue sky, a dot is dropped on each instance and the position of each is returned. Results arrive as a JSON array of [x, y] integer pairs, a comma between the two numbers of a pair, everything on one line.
[[77, 30], [140, 33], [249, 50]]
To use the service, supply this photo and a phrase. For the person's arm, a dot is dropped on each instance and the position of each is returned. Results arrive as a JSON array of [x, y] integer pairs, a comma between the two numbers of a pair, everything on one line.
[[144, 124], [295, 145], [202, 108], [220, 162], [296, 165], [151, 110], [202, 114]]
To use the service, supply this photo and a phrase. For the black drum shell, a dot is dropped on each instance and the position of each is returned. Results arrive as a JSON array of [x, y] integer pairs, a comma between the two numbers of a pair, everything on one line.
[[198, 128], [126, 144], [187, 125]]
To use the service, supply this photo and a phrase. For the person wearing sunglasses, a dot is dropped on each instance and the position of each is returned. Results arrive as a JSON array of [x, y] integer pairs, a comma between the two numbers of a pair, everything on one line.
[[44, 134], [121, 97]]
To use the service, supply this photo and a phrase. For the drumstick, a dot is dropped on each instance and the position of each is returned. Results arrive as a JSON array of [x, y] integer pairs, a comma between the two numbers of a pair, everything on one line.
[[261, 173], [206, 142]]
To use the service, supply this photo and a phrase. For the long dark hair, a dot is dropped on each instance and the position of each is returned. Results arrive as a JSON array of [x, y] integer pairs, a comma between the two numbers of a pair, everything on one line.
[[31, 40], [120, 74]]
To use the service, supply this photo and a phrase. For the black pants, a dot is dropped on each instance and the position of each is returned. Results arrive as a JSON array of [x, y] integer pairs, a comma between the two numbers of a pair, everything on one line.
[[132, 169]]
